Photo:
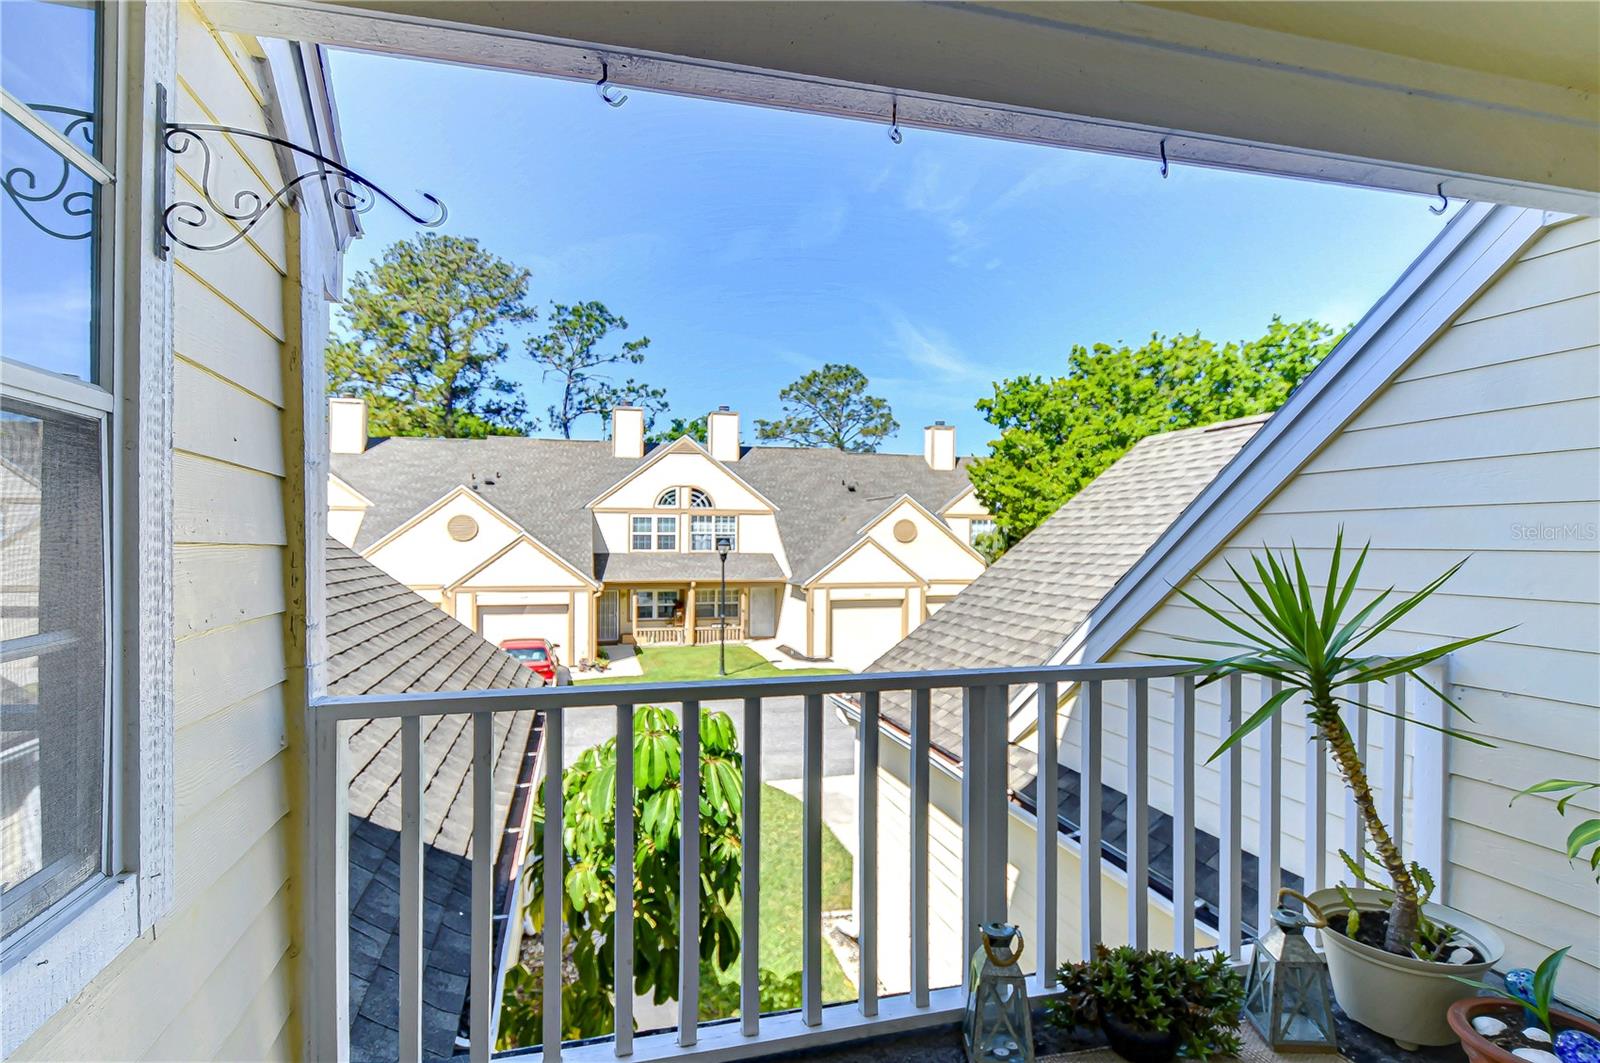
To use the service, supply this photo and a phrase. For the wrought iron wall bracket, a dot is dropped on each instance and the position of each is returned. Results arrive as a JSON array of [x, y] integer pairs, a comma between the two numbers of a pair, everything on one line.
[[182, 220]]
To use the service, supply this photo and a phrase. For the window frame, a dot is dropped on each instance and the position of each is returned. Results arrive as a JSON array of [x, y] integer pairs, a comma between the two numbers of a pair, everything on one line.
[[729, 608], [732, 535], [660, 526], [49, 960], [656, 602], [973, 530]]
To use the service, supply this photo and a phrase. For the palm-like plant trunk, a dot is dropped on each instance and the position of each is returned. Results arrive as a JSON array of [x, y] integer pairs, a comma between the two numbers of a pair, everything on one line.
[[1405, 909]]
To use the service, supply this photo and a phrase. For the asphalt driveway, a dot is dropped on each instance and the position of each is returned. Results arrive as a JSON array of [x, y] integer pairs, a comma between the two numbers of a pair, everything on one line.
[[780, 735]]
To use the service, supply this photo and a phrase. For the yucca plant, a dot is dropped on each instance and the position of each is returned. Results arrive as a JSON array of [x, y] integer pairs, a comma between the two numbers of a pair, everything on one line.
[[1305, 642]]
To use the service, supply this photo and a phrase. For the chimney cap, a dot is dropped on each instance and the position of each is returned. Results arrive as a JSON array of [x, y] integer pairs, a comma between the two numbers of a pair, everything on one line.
[[723, 409]]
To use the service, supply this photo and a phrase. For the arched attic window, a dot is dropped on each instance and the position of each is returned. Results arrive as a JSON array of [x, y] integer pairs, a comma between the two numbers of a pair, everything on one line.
[[698, 499], [669, 498]]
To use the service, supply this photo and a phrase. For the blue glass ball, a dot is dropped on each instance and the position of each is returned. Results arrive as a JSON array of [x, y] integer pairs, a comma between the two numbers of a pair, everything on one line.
[[1575, 1046], [1519, 983]]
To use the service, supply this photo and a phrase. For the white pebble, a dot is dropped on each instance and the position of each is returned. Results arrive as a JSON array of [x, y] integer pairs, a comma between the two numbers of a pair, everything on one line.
[[1460, 956], [1535, 1033], [1488, 1025], [1536, 1055]]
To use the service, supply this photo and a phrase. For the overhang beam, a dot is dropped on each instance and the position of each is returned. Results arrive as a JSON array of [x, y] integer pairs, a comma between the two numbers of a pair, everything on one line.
[[1118, 78]]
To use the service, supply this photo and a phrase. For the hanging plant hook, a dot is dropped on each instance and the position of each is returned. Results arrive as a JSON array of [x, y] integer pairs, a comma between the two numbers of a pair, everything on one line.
[[605, 88], [183, 220], [894, 120], [1444, 201], [1163, 158]]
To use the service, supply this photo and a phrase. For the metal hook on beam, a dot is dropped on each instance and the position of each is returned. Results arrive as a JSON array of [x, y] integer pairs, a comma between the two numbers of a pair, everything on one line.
[[1163, 158], [605, 88], [1444, 201], [894, 120]]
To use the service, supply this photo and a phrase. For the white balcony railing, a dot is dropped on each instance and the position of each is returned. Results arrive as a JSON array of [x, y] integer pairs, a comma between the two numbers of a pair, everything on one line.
[[987, 695]]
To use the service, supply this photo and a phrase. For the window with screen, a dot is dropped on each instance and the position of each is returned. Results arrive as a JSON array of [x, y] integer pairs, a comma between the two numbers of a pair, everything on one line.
[[55, 709]]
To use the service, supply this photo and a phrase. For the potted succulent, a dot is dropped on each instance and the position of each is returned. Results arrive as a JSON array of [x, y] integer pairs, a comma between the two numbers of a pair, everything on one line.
[[1520, 1025], [1392, 956], [1150, 1005]]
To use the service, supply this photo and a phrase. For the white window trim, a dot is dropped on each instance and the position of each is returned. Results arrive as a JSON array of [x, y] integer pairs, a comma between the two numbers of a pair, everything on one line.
[[733, 538], [51, 961], [655, 597], [656, 520]]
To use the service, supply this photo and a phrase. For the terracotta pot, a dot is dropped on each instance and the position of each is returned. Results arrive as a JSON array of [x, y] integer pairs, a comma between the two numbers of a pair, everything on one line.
[[1401, 997], [1480, 1049]]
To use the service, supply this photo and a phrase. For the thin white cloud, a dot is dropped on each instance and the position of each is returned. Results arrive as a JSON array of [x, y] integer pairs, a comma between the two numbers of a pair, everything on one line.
[[929, 348]]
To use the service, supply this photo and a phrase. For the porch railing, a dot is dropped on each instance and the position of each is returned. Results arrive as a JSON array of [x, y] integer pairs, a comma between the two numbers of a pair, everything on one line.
[[709, 634], [989, 697], [664, 635]]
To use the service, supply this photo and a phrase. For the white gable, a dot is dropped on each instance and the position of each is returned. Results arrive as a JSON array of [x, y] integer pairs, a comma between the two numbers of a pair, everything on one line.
[[523, 565], [425, 552], [682, 464], [867, 563], [933, 552]]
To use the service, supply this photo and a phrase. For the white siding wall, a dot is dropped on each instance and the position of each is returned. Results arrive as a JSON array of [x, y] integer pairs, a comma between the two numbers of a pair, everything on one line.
[[1487, 444], [214, 980]]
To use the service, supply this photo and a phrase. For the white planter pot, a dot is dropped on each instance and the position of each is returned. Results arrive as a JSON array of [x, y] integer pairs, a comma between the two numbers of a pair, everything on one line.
[[1400, 996]]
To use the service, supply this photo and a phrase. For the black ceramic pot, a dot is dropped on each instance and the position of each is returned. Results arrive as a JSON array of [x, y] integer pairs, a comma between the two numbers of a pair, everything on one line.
[[1138, 1045]]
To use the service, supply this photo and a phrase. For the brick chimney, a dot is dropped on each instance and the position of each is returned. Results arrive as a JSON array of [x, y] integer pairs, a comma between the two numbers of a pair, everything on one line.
[[347, 426], [627, 432], [722, 434], [939, 446]]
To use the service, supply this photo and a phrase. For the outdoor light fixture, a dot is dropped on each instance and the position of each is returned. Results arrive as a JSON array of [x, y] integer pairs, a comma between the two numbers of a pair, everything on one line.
[[723, 546], [345, 189], [998, 1027], [1286, 993]]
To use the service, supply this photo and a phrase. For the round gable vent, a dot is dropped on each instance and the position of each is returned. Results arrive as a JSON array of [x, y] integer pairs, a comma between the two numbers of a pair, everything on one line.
[[905, 530], [462, 528]]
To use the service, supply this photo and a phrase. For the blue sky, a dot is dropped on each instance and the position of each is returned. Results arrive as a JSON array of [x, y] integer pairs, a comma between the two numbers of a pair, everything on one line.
[[752, 245]]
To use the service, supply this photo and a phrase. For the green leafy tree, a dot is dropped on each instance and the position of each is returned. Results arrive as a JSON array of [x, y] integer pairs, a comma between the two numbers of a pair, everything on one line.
[[694, 429], [422, 338], [570, 351], [830, 407], [1058, 434], [589, 903]]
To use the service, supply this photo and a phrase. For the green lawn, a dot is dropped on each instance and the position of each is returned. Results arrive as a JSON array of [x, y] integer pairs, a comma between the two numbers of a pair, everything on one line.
[[684, 664], [781, 837]]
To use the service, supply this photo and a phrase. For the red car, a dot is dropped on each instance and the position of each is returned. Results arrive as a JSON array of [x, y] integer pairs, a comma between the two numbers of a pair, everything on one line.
[[540, 656]]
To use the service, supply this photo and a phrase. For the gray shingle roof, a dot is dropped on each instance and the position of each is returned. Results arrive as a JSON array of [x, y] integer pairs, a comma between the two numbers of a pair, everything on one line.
[[823, 496], [385, 639], [645, 567], [1020, 609]]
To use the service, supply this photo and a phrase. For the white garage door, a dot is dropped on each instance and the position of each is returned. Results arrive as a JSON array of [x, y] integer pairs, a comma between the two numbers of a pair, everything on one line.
[[496, 623], [863, 631]]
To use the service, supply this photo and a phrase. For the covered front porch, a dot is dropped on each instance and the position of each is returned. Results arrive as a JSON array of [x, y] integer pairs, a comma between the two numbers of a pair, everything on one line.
[[688, 613]]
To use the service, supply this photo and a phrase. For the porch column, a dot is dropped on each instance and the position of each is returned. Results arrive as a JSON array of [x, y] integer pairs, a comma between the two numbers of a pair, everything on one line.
[[688, 616]]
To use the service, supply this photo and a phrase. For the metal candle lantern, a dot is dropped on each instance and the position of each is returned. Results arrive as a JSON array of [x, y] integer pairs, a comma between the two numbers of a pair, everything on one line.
[[1286, 994], [998, 1028]]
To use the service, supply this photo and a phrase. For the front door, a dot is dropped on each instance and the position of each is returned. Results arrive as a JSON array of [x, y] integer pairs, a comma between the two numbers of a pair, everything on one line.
[[763, 612], [610, 621]]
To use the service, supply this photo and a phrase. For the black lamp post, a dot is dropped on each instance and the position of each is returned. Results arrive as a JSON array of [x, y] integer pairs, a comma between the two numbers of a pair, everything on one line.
[[722, 609]]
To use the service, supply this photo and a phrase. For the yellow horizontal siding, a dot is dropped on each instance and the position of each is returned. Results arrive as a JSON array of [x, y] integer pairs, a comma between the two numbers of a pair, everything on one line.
[[1489, 436], [215, 980], [127, 1007]]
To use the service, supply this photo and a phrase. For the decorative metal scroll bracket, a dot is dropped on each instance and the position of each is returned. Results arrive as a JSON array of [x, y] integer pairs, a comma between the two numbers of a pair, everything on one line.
[[182, 218]]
